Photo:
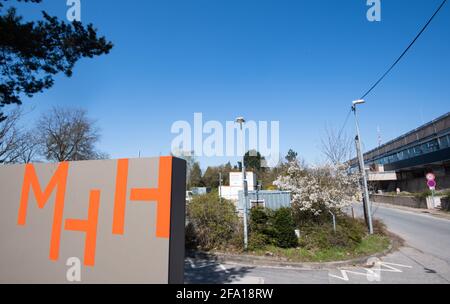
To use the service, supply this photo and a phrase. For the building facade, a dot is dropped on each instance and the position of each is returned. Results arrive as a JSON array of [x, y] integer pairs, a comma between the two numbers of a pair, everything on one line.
[[411, 156], [231, 192]]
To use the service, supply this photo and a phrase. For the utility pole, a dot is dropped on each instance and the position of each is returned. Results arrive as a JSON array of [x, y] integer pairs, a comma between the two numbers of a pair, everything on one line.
[[362, 168], [241, 121]]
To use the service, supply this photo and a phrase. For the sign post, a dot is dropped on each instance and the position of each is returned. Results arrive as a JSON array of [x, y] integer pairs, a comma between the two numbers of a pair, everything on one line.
[[431, 183]]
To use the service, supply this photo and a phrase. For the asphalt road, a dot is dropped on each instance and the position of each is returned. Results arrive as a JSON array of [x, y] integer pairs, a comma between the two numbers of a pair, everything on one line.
[[421, 231], [425, 258]]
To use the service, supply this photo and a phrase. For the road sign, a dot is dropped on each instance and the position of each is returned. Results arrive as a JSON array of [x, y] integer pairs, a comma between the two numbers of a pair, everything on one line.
[[431, 184], [431, 177]]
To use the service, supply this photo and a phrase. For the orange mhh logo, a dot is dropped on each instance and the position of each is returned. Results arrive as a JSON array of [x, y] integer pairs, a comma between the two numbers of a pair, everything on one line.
[[58, 184]]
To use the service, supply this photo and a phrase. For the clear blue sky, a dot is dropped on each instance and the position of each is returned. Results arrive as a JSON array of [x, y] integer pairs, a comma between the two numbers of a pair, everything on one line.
[[297, 62]]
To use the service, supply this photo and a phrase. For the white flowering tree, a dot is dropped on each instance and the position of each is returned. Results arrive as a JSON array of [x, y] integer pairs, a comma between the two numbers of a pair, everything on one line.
[[319, 189]]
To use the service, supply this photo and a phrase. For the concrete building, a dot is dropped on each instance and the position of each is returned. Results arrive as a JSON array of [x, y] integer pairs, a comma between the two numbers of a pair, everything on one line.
[[404, 162]]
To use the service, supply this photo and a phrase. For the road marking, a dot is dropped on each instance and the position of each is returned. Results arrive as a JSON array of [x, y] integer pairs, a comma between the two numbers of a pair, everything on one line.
[[223, 268], [344, 274], [248, 280], [388, 267], [194, 266], [191, 263]]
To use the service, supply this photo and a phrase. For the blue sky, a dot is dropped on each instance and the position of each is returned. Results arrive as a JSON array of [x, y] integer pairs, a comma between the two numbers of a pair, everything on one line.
[[298, 62]]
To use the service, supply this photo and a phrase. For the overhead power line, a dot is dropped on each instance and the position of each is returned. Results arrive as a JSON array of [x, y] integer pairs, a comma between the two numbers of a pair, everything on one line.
[[345, 124], [405, 51]]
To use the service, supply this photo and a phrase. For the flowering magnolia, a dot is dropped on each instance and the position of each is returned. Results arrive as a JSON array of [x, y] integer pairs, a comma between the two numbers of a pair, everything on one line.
[[321, 188]]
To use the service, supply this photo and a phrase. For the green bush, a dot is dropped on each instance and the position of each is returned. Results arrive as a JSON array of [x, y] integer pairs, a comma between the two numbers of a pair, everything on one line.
[[215, 224], [190, 237], [268, 227], [446, 193], [423, 195], [284, 228], [349, 233], [257, 241], [259, 220], [259, 223]]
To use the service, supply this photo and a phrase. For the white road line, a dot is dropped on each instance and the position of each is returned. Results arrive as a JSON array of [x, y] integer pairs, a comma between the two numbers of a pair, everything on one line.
[[388, 267], [191, 263], [223, 268], [194, 266]]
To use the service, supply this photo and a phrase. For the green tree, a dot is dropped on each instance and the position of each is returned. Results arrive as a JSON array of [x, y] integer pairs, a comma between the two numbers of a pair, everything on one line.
[[195, 178], [211, 177], [254, 162], [226, 173], [291, 156], [32, 53]]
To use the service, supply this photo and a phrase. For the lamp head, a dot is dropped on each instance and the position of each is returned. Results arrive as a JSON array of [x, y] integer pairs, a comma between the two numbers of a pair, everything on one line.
[[358, 102], [240, 120]]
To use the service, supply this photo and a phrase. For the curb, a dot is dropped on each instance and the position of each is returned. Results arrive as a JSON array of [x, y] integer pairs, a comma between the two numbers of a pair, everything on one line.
[[251, 260]]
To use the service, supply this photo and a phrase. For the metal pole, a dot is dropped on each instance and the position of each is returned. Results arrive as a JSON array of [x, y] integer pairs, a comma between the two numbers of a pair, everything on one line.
[[220, 187], [334, 221], [433, 197], [368, 208], [366, 217], [244, 179]]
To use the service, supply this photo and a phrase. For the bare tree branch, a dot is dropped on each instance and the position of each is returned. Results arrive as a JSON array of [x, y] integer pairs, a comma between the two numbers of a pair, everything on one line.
[[68, 135], [10, 138], [336, 147]]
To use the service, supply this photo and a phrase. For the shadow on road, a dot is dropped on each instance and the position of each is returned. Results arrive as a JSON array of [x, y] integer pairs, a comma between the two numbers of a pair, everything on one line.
[[207, 270]]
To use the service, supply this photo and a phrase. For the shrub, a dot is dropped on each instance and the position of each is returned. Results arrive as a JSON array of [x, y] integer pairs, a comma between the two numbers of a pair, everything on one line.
[[423, 195], [379, 227], [349, 233], [257, 241], [284, 228], [446, 193], [190, 237], [261, 232], [215, 224], [259, 220]]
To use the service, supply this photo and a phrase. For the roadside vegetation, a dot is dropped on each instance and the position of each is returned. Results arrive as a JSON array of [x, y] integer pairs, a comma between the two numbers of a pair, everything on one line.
[[302, 233]]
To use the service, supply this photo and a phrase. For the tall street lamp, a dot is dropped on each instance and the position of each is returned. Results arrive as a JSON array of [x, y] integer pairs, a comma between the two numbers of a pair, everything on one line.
[[241, 121], [362, 168]]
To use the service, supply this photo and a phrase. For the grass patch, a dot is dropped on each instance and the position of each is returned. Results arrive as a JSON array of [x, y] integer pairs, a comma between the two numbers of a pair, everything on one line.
[[369, 245]]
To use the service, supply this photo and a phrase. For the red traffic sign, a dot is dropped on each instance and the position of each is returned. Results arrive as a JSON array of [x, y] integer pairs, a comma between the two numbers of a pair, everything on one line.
[[431, 177], [431, 184]]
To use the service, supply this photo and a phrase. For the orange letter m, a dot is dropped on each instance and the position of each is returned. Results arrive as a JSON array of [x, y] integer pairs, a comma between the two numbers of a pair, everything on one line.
[[58, 181]]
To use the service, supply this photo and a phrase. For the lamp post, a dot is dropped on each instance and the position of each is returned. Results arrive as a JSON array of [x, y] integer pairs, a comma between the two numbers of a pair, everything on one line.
[[241, 121], [367, 205]]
